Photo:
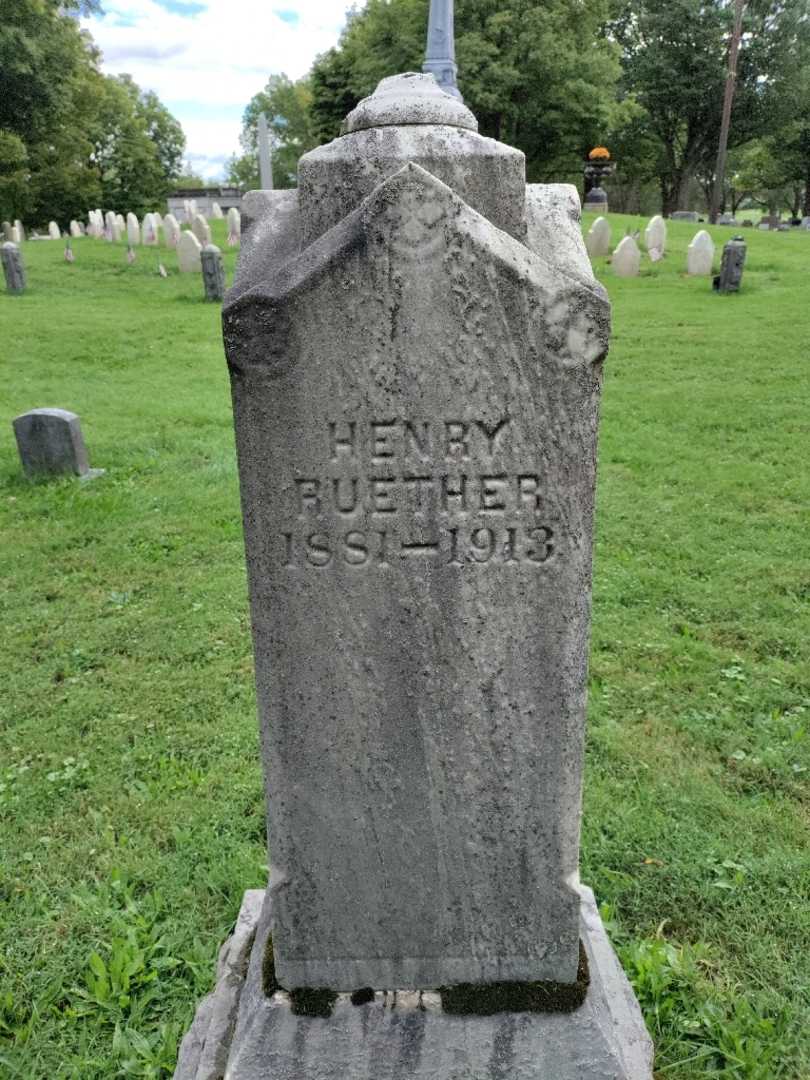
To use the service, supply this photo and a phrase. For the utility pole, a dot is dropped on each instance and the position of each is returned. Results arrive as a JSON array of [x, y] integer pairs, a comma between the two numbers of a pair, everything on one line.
[[440, 55], [725, 123]]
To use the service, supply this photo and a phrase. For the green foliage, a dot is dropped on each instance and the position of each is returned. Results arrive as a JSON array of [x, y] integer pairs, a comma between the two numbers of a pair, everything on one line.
[[522, 70], [287, 106], [674, 58], [127, 647], [71, 138]]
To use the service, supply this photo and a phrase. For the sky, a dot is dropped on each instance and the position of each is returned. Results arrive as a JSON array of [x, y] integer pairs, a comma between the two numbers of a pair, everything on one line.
[[206, 59]]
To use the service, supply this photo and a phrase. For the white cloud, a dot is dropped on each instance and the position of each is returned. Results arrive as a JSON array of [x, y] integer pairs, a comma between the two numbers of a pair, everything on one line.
[[206, 64]]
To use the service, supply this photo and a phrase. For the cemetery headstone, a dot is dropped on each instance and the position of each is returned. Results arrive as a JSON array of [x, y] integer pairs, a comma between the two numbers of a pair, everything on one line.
[[731, 266], [234, 227], [418, 532], [597, 240], [149, 231], [7, 227], [20, 237], [213, 272], [133, 230], [216, 211], [700, 254], [626, 258], [122, 225], [655, 237], [15, 237], [110, 226], [596, 200], [50, 442], [13, 267], [201, 229], [53, 231], [726, 219], [75, 229], [805, 223], [684, 215], [188, 253], [171, 228]]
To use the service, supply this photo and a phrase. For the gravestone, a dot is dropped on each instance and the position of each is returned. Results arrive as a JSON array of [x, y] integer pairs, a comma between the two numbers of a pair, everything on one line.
[[20, 237], [684, 215], [805, 223], [700, 254], [596, 200], [75, 229], [234, 226], [149, 232], [171, 228], [201, 229], [7, 227], [213, 272], [731, 266], [598, 239], [415, 340], [133, 230], [50, 442], [110, 227], [13, 268], [655, 237], [122, 225], [626, 258], [15, 236], [53, 231], [216, 211], [188, 253], [726, 219]]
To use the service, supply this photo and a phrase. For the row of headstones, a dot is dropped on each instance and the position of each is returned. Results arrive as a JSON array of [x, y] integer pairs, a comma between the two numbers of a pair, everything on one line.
[[113, 227], [626, 259], [771, 222]]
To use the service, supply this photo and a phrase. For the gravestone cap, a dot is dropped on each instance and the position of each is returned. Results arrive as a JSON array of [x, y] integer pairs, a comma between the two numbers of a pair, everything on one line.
[[410, 98]]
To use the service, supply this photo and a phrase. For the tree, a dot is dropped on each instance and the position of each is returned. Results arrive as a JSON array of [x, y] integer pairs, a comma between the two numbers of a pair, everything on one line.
[[522, 70], [287, 106], [674, 63], [73, 138]]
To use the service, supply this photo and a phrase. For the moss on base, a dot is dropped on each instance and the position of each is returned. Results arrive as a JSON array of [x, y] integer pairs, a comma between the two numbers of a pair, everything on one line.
[[362, 996], [269, 980], [484, 999], [312, 1001]]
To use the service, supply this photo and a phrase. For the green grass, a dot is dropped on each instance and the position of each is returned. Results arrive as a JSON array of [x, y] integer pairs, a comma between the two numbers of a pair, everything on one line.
[[131, 813]]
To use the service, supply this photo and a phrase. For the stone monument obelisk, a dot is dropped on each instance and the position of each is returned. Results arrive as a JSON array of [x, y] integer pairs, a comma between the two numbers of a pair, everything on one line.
[[265, 161], [415, 341], [440, 54]]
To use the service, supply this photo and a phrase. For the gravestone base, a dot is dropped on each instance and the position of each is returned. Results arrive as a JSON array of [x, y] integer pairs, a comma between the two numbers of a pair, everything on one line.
[[240, 1034]]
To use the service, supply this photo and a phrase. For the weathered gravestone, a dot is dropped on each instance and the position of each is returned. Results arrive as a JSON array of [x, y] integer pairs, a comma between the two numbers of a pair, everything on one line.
[[597, 240], [50, 442], [700, 254], [731, 266], [7, 227], [53, 231], [684, 215], [415, 340], [216, 211], [188, 253], [13, 267], [655, 237], [213, 272], [201, 229], [133, 230], [149, 231], [171, 228], [75, 229], [234, 226], [626, 258], [20, 237]]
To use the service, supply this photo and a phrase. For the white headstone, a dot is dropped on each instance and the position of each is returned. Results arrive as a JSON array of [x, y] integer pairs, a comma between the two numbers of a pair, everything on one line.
[[188, 253], [598, 239], [7, 227], [149, 231], [201, 229], [234, 226], [171, 227], [700, 254], [122, 225], [133, 229], [14, 236], [110, 226], [53, 231], [18, 225], [626, 258], [655, 235], [216, 211], [75, 228]]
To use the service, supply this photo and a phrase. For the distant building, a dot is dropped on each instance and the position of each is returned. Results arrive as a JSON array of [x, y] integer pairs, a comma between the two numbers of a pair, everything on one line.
[[204, 197]]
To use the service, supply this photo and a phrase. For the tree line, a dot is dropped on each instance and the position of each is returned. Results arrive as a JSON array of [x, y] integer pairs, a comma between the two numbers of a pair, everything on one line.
[[72, 138], [643, 77]]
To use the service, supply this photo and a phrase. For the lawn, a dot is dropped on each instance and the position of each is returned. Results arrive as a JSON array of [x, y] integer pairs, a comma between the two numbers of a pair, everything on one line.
[[131, 813]]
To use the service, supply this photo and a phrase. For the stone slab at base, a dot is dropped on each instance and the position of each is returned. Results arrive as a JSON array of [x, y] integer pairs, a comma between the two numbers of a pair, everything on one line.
[[239, 1034]]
